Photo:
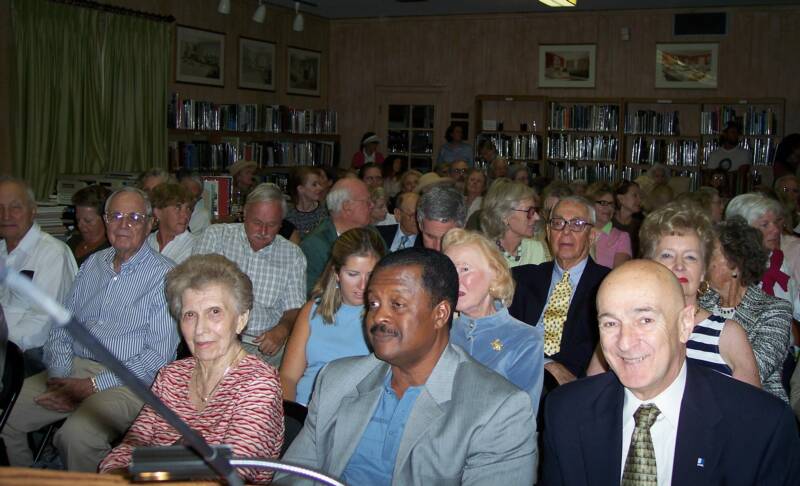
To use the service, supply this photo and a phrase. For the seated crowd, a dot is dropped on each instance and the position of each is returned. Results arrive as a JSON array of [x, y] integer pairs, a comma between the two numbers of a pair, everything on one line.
[[454, 327]]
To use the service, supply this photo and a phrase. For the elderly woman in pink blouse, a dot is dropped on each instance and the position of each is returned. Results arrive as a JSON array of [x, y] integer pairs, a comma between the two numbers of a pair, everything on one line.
[[613, 247]]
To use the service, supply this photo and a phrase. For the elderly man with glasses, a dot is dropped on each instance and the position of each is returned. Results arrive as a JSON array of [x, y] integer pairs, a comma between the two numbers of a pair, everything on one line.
[[119, 295], [560, 295]]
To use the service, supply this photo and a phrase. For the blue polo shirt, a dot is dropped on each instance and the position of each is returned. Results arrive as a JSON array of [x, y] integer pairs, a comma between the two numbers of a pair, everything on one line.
[[373, 460]]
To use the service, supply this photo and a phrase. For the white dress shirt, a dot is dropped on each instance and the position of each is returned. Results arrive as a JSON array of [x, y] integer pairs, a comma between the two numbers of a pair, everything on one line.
[[53, 269], [177, 250], [398, 237], [200, 219], [664, 431]]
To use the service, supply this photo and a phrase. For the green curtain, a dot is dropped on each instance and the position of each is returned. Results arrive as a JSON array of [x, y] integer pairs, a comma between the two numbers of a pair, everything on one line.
[[89, 92]]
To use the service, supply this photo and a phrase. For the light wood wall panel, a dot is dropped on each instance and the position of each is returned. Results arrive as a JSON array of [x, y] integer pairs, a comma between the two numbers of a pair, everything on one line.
[[498, 54]]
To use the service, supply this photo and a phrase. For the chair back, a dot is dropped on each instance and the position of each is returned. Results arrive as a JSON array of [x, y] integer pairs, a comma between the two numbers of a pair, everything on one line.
[[294, 416]]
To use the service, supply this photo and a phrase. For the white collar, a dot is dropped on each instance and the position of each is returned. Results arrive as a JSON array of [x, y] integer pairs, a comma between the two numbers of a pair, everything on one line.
[[668, 401], [28, 242]]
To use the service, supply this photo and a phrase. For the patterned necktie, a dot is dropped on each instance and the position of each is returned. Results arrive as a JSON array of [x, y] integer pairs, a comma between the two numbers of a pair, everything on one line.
[[556, 314], [640, 465], [403, 242]]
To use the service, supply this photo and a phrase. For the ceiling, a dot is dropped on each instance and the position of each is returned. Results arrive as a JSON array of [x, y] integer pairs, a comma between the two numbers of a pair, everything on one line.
[[339, 9]]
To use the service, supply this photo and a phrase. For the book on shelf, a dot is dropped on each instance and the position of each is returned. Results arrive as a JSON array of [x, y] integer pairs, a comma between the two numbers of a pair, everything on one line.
[[522, 146], [762, 149], [571, 146], [650, 122], [204, 156], [752, 121], [591, 118], [219, 190], [650, 150]]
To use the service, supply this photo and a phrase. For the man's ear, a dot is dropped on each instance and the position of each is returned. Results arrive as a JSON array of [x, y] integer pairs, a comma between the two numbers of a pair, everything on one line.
[[441, 314], [686, 322]]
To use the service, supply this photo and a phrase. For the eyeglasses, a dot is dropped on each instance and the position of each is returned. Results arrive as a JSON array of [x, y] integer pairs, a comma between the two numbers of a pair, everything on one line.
[[575, 225], [532, 211], [458, 171], [791, 189], [605, 203], [135, 219]]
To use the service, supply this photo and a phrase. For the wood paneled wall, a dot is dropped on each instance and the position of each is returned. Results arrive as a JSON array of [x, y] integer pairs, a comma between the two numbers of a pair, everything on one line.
[[498, 54]]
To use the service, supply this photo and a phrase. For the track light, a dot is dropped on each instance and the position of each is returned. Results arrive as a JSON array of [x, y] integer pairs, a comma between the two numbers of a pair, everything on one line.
[[299, 22], [224, 7], [261, 13]]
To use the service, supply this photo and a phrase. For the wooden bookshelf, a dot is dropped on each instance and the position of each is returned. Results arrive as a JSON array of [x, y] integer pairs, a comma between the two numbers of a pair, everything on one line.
[[515, 124]]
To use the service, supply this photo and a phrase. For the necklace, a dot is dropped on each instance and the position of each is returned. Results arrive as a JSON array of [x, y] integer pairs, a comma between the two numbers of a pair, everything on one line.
[[205, 398], [508, 255]]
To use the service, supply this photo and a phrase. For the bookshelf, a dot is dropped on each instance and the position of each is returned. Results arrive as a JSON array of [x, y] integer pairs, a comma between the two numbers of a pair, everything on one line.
[[514, 125]]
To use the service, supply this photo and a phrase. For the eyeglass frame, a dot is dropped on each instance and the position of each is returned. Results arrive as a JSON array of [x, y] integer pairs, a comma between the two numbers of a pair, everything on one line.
[[133, 218], [532, 211], [604, 203], [576, 225]]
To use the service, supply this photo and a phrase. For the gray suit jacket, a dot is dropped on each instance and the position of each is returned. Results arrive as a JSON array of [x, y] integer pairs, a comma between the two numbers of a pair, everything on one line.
[[468, 426]]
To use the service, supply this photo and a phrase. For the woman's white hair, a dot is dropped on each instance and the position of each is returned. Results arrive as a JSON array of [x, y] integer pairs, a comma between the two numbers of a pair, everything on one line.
[[752, 206]]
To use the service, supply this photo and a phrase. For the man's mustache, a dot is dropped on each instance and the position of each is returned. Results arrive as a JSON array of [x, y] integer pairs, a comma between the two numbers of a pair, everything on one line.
[[383, 329]]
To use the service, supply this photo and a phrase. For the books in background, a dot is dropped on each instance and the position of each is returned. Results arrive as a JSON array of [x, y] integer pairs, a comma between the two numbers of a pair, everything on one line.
[[570, 172], [202, 155], [51, 217], [763, 149], [569, 146], [649, 122], [524, 146], [218, 192], [594, 118], [646, 150], [189, 114], [753, 121]]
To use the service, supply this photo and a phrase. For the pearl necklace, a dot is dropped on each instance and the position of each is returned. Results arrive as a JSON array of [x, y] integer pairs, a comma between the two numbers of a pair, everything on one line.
[[197, 380]]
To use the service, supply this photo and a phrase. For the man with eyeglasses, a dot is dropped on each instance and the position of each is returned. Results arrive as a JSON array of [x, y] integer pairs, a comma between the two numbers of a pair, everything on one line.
[[560, 295], [119, 295], [404, 233], [458, 172]]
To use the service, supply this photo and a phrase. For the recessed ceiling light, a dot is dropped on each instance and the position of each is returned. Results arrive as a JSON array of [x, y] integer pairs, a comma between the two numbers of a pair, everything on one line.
[[559, 3]]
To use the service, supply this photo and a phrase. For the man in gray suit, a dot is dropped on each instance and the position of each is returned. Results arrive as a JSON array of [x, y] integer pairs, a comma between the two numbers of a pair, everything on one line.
[[418, 410]]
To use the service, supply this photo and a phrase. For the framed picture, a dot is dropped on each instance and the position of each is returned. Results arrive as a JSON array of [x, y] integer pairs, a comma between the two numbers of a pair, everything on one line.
[[256, 64], [567, 66], [686, 65], [200, 56], [303, 72]]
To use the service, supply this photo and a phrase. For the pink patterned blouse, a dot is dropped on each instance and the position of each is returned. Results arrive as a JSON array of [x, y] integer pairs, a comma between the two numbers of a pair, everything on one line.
[[245, 412]]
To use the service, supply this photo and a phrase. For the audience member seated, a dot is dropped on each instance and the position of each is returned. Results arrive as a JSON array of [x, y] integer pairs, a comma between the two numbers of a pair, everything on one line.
[[520, 173], [734, 274], [329, 325], [90, 236], [418, 410], [498, 166], [787, 156], [708, 199], [47, 261], [440, 208], [458, 172], [172, 207], [560, 295], [484, 327], [201, 216], [474, 190], [613, 246], [350, 207], [658, 419], [554, 192], [380, 216], [730, 155], [119, 296], [409, 180], [766, 215], [391, 170], [455, 148], [153, 177], [368, 153], [787, 191], [228, 396], [275, 266], [510, 216], [627, 216], [372, 175], [680, 237], [404, 233], [307, 191], [442, 170]]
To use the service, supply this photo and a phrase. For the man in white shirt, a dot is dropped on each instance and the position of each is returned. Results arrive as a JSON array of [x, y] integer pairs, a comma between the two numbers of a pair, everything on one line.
[[729, 156], [656, 418], [44, 259], [404, 233], [201, 216]]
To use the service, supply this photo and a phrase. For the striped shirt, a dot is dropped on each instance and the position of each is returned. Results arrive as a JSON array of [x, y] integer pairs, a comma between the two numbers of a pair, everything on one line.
[[245, 412], [703, 344], [278, 272], [126, 311]]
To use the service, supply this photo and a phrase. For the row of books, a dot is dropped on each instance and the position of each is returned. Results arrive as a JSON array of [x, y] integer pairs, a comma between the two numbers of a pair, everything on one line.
[[192, 114], [570, 172], [670, 152], [515, 147], [54, 218], [208, 156], [762, 149], [649, 122], [752, 121], [595, 118], [582, 147]]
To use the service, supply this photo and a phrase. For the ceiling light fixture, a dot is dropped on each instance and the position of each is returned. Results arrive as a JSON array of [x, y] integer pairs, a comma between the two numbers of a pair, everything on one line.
[[224, 7], [559, 3], [261, 13], [299, 22]]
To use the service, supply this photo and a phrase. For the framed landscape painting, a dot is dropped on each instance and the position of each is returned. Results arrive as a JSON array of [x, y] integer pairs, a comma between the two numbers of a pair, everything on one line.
[[567, 66], [303, 72], [256, 64], [686, 66], [199, 56]]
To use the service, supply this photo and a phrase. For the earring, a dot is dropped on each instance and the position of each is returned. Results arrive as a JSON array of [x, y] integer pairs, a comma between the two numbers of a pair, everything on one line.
[[704, 287], [734, 275]]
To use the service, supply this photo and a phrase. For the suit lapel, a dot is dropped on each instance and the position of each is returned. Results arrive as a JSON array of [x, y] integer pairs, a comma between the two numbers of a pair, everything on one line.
[[696, 452], [586, 281], [601, 437], [355, 411], [541, 289]]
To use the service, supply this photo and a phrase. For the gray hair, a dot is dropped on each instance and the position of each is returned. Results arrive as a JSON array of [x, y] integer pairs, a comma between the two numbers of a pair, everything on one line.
[[337, 197], [498, 203], [148, 207], [25, 187], [752, 206], [443, 203], [154, 172], [267, 192], [578, 200]]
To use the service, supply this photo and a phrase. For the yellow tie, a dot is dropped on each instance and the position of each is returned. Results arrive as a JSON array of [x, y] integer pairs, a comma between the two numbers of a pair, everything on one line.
[[556, 314]]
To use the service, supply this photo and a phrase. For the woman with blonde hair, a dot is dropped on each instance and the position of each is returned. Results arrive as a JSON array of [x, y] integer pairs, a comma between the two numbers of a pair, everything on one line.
[[509, 217], [329, 327], [484, 327]]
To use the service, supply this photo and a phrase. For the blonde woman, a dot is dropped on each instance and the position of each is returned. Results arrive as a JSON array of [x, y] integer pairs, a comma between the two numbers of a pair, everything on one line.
[[484, 327], [329, 325]]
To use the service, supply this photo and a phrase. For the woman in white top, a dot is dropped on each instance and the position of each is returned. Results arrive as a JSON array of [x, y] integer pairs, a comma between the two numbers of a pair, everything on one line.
[[473, 190], [172, 207]]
